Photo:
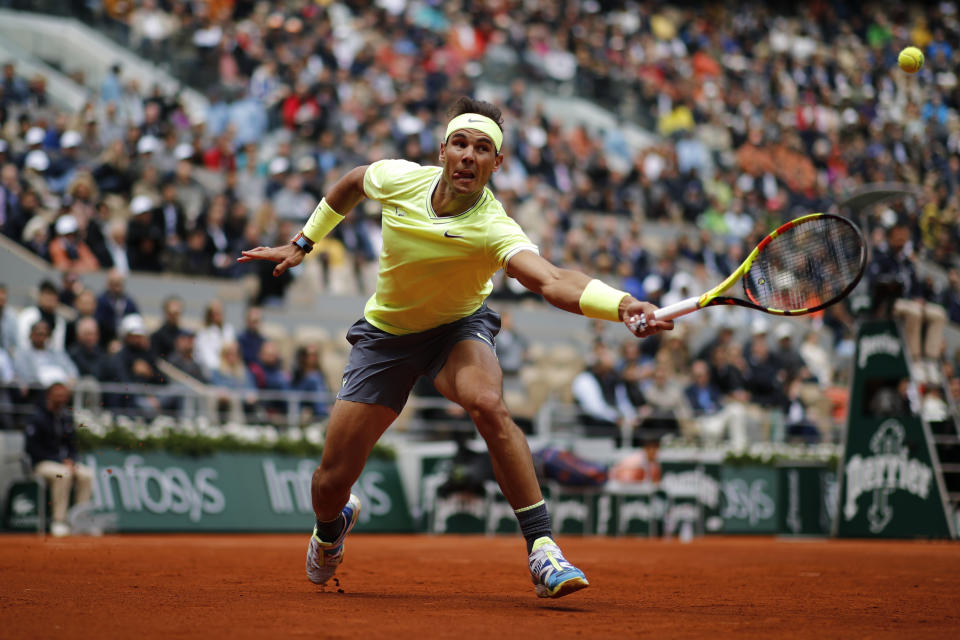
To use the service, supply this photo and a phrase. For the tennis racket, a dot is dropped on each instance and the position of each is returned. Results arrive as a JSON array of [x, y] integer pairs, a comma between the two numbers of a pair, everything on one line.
[[803, 266]]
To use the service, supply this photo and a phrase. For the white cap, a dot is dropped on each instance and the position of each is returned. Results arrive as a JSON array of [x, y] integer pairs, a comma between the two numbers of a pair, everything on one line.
[[141, 204], [70, 139], [681, 280], [35, 135], [783, 330], [652, 283], [36, 160], [66, 224], [148, 144], [278, 166], [183, 151], [133, 324], [759, 327]]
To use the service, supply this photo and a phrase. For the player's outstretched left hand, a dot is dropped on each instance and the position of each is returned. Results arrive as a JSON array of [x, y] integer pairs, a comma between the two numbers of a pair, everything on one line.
[[287, 256], [636, 309]]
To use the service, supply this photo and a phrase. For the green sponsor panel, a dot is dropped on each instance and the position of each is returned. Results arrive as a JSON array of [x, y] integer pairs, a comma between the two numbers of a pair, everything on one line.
[[692, 480], [890, 484], [26, 505], [157, 491], [807, 499], [636, 513], [749, 499], [574, 510]]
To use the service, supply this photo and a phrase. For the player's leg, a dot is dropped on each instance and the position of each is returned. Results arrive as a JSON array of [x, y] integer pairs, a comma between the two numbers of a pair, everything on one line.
[[472, 378], [353, 429]]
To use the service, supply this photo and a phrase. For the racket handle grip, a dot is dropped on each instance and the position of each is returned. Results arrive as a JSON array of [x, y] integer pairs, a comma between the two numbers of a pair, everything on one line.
[[668, 312]]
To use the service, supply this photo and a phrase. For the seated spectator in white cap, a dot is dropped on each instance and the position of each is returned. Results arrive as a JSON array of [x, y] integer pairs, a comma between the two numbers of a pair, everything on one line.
[[35, 164], [786, 355], [63, 167], [145, 247], [51, 445], [134, 364], [68, 251]]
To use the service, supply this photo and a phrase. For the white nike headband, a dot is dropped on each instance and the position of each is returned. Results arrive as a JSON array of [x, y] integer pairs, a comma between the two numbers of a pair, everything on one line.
[[478, 122]]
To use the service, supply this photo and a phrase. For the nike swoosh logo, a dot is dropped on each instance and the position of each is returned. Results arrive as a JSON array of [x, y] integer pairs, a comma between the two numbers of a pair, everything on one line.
[[473, 120], [447, 234], [484, 338]]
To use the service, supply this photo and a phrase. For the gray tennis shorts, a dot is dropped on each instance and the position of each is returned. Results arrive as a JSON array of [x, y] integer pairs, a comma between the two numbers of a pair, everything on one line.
[[383, 368]]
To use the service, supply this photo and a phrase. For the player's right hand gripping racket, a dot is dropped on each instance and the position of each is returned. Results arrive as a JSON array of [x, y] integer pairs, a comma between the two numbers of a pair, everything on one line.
[[803, 266]]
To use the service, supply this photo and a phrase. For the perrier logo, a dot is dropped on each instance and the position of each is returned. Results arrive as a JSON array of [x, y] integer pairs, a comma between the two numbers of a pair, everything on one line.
[[887, 470]]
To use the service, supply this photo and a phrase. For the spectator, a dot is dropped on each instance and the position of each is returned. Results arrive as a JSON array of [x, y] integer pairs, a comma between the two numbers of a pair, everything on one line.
[[40, 363], [68, 251], [713, 416], [86, 307], [308, 377], [511, 346], [115, 247], [8, 323], [7, 390], [765, 380], [237, 396], [817, 359], [667, 405], [113, 306], [950, 298], [171, 217], [268, 374], [789, 360], [51, 445], [45, 309], [144, 238], [183, 355], [163, 339], [211, 338], [251, 339], [601, 395], [798, 425], [86, 353], [134, 364]]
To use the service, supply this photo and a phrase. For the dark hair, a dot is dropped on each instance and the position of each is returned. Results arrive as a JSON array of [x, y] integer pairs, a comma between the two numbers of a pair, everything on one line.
[[48, 287], [466, 104]]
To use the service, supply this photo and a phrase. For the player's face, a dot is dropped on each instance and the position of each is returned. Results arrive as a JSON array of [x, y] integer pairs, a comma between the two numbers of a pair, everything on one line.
[[469, 159]]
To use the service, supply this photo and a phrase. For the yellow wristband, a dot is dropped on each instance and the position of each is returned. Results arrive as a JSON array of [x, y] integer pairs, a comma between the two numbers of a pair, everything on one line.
[[600, 300], [321, 222]]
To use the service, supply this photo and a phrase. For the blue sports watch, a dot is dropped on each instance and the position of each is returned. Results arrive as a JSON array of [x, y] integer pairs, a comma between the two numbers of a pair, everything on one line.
[[303, 242]]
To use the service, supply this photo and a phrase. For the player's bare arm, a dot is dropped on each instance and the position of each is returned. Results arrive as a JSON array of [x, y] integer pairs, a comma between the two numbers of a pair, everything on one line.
[[343, 196], [564, 289]]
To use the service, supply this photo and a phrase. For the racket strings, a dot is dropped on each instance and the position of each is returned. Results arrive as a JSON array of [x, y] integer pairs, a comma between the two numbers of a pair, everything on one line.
[[808, 265]]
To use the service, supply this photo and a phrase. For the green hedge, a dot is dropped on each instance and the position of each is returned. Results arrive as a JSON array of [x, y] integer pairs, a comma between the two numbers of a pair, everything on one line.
[[121, 439]]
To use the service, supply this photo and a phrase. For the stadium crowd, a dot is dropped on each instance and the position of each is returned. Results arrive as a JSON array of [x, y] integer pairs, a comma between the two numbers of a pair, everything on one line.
[[758, 116]]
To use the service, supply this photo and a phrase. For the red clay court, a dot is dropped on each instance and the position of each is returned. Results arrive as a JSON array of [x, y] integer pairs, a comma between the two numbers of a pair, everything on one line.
[[415, 586]]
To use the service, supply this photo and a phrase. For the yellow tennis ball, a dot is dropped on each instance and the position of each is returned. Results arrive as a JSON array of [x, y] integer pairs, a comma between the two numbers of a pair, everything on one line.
[[910, 59]]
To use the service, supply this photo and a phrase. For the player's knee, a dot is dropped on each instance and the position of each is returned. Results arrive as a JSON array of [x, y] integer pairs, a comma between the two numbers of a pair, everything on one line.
[[486, 407], [327, 482]]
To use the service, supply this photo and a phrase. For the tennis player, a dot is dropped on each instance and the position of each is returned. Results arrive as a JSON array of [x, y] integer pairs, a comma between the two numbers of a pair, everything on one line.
[[444, 236]]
